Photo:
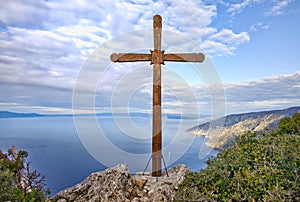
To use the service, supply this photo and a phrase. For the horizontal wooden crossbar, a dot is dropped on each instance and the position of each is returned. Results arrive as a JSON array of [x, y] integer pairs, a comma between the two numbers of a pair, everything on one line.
[[130, 57], [184, 57], [174, 57]]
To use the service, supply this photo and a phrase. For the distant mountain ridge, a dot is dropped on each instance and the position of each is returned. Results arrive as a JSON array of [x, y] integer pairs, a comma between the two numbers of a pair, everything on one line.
[[7, 114], [221, 131]]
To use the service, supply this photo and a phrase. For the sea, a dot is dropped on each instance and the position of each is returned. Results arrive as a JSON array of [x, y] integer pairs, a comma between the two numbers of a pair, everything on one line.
[[67, 149]]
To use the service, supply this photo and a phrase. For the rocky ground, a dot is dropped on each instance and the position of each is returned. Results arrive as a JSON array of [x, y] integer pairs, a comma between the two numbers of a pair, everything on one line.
[[116, 184]]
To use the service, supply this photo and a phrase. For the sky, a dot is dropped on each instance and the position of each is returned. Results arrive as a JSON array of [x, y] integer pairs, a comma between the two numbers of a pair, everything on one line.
[[47, 48]]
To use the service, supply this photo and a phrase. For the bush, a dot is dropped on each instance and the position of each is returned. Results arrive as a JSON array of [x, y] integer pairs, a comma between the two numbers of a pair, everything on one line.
[[262, 167], [290, 125], [17, 181]]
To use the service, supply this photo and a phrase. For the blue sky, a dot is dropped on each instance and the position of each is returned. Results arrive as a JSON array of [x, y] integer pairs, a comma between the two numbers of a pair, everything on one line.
[[253, 44]]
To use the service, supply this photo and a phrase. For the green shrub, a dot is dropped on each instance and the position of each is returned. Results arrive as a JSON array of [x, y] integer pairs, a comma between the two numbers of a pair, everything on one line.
[[290, 125], [264, 167]]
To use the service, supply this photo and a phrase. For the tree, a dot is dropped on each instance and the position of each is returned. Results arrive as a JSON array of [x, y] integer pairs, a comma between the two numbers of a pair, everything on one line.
[[17, 181]]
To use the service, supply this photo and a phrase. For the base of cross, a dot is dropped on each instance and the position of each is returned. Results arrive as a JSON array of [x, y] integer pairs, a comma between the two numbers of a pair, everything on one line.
[[157, 157]]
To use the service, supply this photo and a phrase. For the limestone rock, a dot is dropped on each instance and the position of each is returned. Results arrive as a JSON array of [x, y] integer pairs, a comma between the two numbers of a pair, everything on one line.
[[116, 184], [141, 181], [106, 185]]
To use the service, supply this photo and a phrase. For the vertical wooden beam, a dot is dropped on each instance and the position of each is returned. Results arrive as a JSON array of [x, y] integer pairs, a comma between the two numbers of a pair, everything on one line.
[[157, 26], [156, 119]]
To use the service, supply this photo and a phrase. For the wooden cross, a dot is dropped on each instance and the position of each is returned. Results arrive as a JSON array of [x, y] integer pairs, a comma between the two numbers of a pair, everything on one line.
[[157, 57]]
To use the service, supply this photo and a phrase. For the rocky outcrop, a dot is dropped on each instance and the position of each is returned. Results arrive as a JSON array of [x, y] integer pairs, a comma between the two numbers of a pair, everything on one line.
[[220, 132], [116, 184]]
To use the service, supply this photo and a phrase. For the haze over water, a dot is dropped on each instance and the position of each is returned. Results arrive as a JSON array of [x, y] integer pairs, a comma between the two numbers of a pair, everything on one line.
[[56, 151]]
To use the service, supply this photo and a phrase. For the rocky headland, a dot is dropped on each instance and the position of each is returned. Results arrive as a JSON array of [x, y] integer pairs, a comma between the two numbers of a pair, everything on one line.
[[222, 131], [116, 184]]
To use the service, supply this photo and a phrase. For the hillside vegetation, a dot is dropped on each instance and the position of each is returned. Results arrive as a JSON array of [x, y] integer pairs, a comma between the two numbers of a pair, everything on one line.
[[18, 182], [256, 167]]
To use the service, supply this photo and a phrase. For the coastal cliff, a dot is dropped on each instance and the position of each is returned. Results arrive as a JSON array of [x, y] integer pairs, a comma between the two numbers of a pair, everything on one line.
[[222, 131]]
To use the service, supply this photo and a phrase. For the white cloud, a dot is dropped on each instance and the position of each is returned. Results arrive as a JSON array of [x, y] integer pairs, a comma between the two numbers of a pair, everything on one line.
[[224, 42], [31, 13], [274, 7], [187, 17], [29, 57], [218, 48], [89, 23], [227, 36], [278, 8], [239, 7], [258, 26], [268, 93]]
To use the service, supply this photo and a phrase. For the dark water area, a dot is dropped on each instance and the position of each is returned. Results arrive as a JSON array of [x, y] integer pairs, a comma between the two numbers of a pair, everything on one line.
[[56, 150]]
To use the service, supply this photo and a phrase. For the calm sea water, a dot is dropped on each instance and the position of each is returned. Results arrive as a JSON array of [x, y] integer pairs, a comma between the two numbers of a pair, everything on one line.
[[66, 156]]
